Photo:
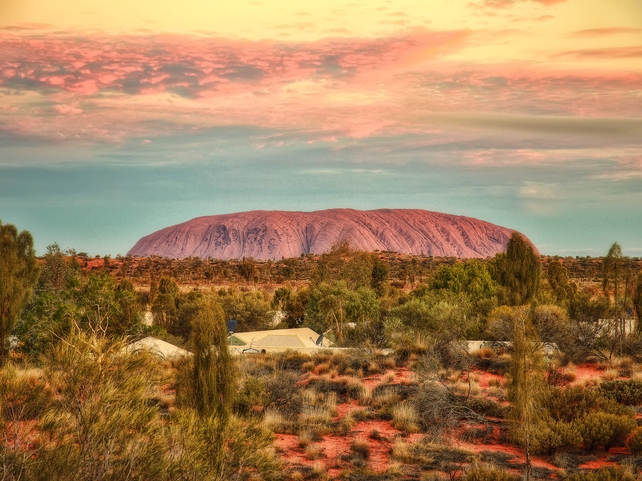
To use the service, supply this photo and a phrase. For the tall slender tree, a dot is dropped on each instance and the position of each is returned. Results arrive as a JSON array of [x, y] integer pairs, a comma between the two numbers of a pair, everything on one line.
[[18, 274], [518, 271], [524, 382], [213, 363], [637, 301]]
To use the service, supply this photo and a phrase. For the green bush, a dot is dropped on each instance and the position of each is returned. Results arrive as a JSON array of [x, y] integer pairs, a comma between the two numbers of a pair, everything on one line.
[[549, 437], [604, 429], [635, 442], [611, 473], [628, 392], [481, 473], [576, 402]]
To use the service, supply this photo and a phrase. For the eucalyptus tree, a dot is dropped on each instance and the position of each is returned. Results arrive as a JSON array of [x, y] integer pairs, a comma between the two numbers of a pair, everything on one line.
[[18, 274], [518, 271]]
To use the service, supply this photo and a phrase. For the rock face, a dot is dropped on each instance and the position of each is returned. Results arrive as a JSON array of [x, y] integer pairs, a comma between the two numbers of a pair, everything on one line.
[[276, 234]]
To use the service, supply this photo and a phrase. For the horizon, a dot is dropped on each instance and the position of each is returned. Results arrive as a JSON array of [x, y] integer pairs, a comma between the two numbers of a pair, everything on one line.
[[118, 120]]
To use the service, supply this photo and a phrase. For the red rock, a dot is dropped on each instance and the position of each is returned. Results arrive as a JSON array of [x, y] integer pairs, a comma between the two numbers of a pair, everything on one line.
[[276, 234]]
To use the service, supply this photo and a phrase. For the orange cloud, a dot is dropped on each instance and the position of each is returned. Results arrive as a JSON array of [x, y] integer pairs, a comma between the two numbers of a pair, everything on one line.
[[605, 53], [602, 32]]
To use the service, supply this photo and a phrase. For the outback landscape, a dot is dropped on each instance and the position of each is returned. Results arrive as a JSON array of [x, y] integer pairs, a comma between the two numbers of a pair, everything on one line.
[[500, 368], [275, 240]]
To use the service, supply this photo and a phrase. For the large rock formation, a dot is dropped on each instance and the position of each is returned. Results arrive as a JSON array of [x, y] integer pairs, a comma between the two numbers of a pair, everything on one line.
[[276, 234]]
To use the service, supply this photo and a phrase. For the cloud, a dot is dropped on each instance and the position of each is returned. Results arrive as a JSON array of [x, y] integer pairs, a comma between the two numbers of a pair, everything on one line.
[[602, 32], [193, 67], [559, 126], [503, 4], [634, 51]]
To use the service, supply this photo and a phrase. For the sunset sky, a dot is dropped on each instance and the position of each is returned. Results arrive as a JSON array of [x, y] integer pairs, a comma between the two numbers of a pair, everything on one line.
[[120, 117]]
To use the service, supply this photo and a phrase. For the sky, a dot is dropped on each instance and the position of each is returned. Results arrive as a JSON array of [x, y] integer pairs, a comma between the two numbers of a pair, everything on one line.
[[123, 117]]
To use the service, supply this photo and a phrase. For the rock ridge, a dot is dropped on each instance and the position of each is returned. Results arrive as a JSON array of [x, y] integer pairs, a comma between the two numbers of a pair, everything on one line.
[[274, 235]]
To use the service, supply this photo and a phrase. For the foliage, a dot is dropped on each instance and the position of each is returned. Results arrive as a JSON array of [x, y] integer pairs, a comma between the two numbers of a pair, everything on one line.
[[604, 429], [627, 392], [637, 300], [203, 449], [610, 473], [18, 274], [634, 442], [488, 473], [165, 303], [518, 271], [525, 379], [251, 310], [471, 278], [214, 385], [562, 288], [99, 423], [569, 404]]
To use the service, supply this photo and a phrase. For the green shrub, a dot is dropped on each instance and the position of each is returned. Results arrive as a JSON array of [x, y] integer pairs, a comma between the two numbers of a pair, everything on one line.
[[576, 402], [488, 473], [611, 473], [604, 429], [549, 437], [628, 392], [635, 442]]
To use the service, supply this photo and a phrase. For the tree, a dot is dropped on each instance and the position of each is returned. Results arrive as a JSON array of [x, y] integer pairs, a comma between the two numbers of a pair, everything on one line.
[[18, 274], [616, 281], [518, 271], [613, 270], [637, 301], [557, 275], [165, 304], [525, 379], [213, 364]]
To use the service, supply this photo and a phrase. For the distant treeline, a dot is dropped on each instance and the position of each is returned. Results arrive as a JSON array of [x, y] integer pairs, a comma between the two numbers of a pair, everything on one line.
[[403, 270]]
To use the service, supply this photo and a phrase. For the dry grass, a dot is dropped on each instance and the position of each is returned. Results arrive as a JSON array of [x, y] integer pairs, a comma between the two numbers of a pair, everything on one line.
[[484, 353], [323, 368], [313, 451], [610, 374], [385, 399], [405, 418], [305, 439], [308, 366], [365, 396], [361, 447], [276, 422], [495, 382]]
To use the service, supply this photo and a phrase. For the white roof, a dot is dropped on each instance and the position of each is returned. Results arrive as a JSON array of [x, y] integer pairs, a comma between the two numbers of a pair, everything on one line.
[[281, 339], [159, 347]]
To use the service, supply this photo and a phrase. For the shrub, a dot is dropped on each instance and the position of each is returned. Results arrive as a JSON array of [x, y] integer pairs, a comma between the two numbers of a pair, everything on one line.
[[604, 429], [375, 434], [488, 473], [635, 442], [313, 452], [624, 392], [611, 473], [361, 448], [576, 401], [548, 437], [405, 418]]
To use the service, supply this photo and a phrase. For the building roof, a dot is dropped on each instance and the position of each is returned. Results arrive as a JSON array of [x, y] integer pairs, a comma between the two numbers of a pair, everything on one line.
[[158, 347], [300, 339]]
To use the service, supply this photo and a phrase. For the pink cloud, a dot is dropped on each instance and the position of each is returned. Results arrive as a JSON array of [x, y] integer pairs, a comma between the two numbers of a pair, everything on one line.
[[502, 4], [605, 53], [602, 32], [195, 67]]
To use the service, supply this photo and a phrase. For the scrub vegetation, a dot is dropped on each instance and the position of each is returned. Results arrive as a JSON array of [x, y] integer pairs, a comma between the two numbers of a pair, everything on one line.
[[553, 391]]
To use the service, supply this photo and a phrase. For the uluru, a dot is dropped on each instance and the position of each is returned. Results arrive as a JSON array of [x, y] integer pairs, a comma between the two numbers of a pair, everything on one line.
[[274, 235]]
